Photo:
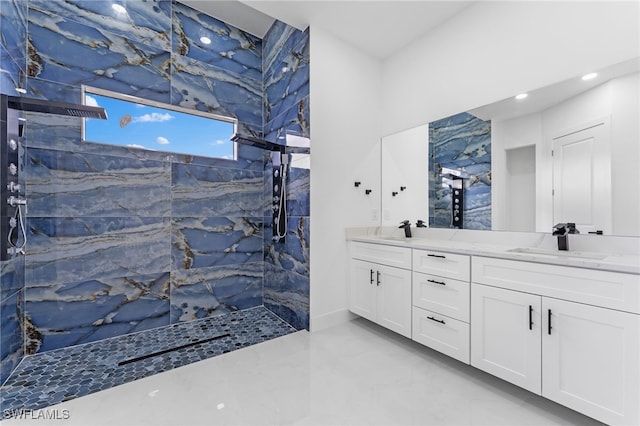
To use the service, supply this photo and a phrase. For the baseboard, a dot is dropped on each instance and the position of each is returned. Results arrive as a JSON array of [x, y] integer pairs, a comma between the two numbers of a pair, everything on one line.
[[330, 319]]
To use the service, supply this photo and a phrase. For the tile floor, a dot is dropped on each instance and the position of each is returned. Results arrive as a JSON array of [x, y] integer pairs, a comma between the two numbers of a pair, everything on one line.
[[60, 375], [355, 373]]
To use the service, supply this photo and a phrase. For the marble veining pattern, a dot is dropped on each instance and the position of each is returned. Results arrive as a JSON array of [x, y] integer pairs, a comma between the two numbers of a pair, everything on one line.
[[461, 142], [11, 342], [230, 48], [13, 19], [65, 250], [215, 241], [206, 192], [51, 377], [198, 85], [144, 21], [67, 314], [203, 292], [287, 84], [62, 183], [11, 75], [67, 52]]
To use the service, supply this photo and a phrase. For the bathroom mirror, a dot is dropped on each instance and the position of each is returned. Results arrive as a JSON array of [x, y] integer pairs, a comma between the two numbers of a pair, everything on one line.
[[566, 152]]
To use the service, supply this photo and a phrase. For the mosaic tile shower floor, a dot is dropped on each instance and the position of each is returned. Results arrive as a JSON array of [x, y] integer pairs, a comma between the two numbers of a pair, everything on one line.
[[60, 375]]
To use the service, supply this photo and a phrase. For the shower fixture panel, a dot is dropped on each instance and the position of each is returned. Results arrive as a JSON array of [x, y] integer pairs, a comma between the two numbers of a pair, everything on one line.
[[11, 194], [280, 156]]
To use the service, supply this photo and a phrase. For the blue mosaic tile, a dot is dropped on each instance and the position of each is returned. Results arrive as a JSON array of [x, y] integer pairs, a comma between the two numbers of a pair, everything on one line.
[[215, 241], [230, 48], [204, 292], [147, 22], [68, 314], [206, 192], [52, 377], [66, 250], [11, 341], [63, 183], [67, 52]]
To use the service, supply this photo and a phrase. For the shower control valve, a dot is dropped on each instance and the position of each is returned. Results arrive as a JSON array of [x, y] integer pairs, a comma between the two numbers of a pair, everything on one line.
[[15, 201], [13, 145], [13, 187], [13, 169]]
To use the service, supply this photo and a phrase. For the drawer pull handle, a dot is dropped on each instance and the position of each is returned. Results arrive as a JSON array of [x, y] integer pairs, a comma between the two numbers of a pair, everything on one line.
[[549, 321], [530, 317], [437, 255], [377, 278], [371, 276], [436, 320], [437, 282]]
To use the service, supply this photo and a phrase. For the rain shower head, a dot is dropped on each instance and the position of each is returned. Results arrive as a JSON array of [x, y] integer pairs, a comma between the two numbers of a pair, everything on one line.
[[59, 108], [258, 143]]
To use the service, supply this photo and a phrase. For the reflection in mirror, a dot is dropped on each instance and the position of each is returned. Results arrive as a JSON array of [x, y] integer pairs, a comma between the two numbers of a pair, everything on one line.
[[405, 187], [565, 153], [460, 173]]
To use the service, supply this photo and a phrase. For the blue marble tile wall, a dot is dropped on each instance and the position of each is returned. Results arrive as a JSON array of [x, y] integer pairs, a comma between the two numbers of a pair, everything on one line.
[[13, 25], [461, 142], [121, 239], [286, 85]]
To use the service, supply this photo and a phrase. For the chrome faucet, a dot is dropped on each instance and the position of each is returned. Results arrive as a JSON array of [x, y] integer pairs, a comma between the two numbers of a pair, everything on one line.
[[562, 230]]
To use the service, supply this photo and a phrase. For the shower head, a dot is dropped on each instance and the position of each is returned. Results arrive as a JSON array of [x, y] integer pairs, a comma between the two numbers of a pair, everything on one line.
[[258, 143], [59, 108]]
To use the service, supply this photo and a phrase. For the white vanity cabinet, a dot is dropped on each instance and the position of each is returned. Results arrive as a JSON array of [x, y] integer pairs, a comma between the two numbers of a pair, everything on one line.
[[441, 302], [571, 335], [380, 285]]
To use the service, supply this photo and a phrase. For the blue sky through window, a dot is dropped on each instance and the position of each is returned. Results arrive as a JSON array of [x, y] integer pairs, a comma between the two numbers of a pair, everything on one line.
[[150, 127]]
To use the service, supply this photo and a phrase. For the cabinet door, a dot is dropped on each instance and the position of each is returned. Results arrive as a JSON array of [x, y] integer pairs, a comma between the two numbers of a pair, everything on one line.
[[363, 289], [505, 335], [591, 360], [394, 299]]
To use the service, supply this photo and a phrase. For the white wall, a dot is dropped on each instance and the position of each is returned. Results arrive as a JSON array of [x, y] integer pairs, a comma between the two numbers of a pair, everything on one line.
[[494, 50], [345, 145], [488, 52]]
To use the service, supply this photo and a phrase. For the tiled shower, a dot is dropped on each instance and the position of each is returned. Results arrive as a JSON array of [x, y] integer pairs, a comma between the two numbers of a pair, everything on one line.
[[122, 240]]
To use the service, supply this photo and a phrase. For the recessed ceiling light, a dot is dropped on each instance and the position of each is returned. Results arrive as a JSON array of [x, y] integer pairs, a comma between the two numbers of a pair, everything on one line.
[[521, 96], [205, 40], [118, 8], [590, 76]]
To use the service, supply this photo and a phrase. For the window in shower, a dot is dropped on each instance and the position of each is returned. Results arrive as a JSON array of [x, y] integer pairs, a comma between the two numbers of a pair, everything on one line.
[[139, 123]]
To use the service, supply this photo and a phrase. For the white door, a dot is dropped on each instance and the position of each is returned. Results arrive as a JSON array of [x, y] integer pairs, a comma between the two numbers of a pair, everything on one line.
[[592, 361], [505, 335], [394, 299], [363, 289], [582, 178]]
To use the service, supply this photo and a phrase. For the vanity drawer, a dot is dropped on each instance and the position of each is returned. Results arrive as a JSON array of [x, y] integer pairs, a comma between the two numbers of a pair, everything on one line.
[[447, 265], [612, 290], [439, 332], [445, 296], [400, 257]]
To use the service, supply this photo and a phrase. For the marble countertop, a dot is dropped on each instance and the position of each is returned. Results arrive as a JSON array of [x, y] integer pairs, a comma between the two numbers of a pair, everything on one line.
[[617, 254]]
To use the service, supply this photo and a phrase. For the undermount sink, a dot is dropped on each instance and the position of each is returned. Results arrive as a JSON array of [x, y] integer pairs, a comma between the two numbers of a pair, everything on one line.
[[558, 253]]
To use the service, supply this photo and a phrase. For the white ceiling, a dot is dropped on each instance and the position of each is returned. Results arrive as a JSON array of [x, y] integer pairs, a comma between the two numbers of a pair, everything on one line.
[[377, 27]]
